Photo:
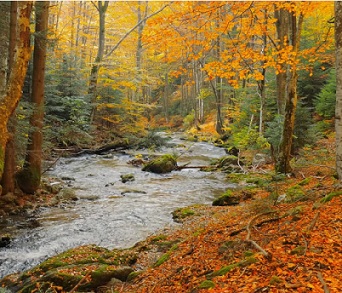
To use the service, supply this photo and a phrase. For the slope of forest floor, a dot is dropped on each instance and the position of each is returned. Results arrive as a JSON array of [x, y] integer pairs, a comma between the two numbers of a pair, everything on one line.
[[258, 246], [261, 245]]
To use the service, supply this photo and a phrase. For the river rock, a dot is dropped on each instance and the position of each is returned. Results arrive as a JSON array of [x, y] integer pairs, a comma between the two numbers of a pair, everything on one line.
[[261, 159], [95, 265], [226, 200], [164, 164], [127, 178]]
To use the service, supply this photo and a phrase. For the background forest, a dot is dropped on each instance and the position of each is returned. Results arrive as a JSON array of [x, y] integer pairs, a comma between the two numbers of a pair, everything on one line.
[[229, 70]]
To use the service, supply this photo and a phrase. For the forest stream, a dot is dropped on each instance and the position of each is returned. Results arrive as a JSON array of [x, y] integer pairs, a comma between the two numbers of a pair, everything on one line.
[[111, 213]]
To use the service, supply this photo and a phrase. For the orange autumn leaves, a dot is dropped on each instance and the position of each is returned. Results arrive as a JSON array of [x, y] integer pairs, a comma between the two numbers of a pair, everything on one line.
[[228, 39]]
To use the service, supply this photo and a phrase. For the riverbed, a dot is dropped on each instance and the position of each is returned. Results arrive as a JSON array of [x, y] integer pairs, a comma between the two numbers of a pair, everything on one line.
[[111, 213]]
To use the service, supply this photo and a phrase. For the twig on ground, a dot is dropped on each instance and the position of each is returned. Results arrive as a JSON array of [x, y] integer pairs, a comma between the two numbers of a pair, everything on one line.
[[306, 245], [256, 245], [313, 223], [80, 282], [325, 286]]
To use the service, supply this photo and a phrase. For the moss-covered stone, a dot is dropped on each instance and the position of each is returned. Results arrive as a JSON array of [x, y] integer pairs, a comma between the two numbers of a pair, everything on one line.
[[127, 178], [226, 199], [28, 180], [70, 267], [164, 164], [295, 193], [180, 214]]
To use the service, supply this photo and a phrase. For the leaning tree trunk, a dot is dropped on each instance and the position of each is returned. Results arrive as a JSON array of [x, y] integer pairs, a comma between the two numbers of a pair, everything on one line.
[[10, 98], [338, 114], [29, 178]]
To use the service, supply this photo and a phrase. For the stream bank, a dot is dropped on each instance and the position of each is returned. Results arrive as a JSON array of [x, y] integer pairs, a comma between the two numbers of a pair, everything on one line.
[[110, 213]]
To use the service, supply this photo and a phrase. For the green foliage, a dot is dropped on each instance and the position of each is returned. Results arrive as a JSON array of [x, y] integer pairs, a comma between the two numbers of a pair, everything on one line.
[[304, 131], [247, 138], [151, 141], [326, 99], [274, 130], [67, 103], [189, 119], [310, 83]]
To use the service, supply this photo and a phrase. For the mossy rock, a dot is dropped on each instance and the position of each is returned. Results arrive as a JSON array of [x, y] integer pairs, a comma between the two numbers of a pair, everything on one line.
[[164, 164], [69, 276], [226, 199], [69, 267], [180, 214], [227, 161], [28, 180], [295, 193], [127, 178]]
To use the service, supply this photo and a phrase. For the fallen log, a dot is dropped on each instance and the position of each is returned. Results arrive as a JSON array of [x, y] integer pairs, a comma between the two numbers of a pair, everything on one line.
[[120, 145]]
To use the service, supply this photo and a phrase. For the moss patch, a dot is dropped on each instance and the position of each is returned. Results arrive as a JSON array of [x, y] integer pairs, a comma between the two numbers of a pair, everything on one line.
[[206, 284]]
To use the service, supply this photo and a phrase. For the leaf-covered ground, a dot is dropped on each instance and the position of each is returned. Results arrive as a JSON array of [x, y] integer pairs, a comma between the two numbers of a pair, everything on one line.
[[261, 245]]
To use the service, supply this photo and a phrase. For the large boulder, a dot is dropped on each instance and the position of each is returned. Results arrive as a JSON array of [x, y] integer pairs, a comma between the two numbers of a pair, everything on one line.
[[163, 164]]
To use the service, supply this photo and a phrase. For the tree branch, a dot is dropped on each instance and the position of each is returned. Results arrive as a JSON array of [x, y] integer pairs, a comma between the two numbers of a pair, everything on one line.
[[133, 28]]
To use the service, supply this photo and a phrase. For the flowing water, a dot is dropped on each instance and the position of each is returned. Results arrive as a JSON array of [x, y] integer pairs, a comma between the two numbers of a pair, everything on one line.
[[110, 213]]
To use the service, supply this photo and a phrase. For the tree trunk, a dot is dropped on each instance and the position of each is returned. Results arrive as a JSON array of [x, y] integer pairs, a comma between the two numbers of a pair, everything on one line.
[[282, 25], [283, 163], [338, 114], [8, 180], [29, 178], [9, 100], [94, 74]]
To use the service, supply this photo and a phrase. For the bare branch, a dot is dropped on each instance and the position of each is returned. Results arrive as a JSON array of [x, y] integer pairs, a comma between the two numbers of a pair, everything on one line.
[[133, 28]]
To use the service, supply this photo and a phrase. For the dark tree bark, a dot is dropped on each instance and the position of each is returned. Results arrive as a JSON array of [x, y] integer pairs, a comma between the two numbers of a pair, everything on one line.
[[10, 98], [29, 178], [338, 114], [283, 162], [94, 74], [282, 25], [8, 180]]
